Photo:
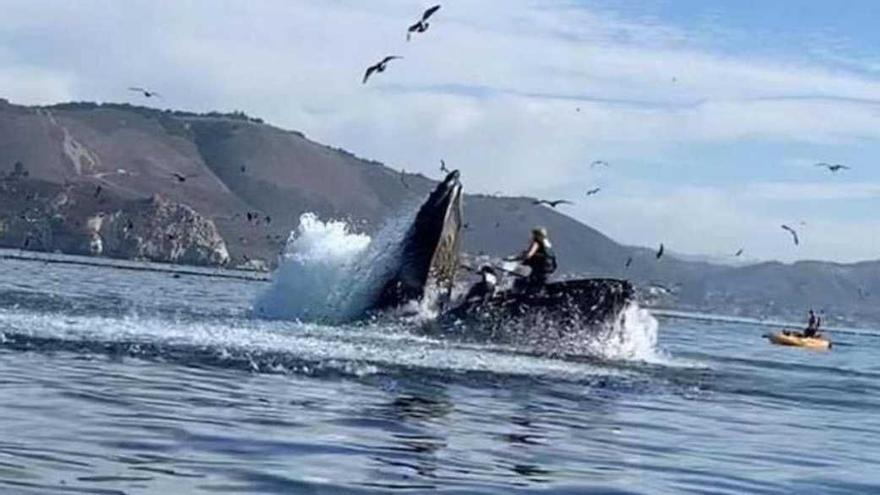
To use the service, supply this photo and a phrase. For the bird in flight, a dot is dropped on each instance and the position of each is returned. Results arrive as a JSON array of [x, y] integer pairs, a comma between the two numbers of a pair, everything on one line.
[[739, 253], [793, 233], [597, 163], [629, 261], [834, 168], [552, 204], [443, 167], [379, 67], [593, 191], [422, 25], [146, 92], [181, 177], [660, 251]]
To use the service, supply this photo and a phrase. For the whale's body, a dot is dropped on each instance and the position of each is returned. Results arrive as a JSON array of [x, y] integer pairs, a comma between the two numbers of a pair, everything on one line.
[[429, 252], [429, 259]]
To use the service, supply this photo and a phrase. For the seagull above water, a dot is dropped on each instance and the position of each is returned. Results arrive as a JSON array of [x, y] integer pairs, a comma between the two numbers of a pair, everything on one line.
[[660, 251], [443, 167], [181, 177], [593, 191], [379, 67], [147, 93], [834, 168], [597, 163], [793, 233], [422, 25], [552, 204]]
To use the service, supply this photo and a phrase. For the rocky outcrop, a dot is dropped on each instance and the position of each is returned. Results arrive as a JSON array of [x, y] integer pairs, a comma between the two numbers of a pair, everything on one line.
[[76, 219], [159, 229]]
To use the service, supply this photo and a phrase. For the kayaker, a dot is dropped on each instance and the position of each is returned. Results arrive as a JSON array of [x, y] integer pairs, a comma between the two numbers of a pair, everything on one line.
[[813, 323], [539, 257], [485, 287]]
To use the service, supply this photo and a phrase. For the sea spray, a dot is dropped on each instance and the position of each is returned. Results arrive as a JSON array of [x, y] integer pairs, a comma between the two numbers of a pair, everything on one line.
[[317, 258], [631, 336], [330, 274]]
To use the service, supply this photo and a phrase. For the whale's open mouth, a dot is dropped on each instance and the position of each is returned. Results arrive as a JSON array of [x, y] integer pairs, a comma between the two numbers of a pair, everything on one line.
[[429, 253]]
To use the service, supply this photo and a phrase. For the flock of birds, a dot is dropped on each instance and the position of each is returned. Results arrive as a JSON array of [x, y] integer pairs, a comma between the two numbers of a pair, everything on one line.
[[422, 25], [419, 27]]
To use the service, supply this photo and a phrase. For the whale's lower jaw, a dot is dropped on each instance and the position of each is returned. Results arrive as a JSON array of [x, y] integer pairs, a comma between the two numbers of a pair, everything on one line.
[[429, 253]]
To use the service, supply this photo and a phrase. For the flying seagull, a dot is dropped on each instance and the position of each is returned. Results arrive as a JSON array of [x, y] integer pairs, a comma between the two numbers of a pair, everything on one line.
[[836, 167], [597, 163], [739, 253], [181, 177], [629, 261], [422, 25], [443, 167], [146, 92], [794, 235], [660, 251], [552, 204], [379, 67], [593, 191]]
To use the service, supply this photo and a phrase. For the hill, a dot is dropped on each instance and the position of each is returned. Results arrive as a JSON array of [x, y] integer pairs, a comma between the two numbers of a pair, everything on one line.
[[245, 183]]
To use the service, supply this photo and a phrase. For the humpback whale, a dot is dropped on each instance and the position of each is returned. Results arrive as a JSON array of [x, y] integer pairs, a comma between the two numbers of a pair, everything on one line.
[[429, 252], [428, 259]]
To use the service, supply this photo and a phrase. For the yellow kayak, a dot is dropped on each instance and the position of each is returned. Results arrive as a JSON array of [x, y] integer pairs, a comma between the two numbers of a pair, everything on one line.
[[818, 343]]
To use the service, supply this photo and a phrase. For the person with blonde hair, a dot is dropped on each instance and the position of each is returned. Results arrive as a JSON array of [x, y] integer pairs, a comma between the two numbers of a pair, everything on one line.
[[539, 257]]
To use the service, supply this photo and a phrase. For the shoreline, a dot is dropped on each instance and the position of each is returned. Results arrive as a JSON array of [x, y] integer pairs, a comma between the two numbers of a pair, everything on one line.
[[132, 265]]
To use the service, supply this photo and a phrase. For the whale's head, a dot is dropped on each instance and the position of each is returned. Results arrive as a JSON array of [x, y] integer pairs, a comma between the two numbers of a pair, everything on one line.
[[429, 254]]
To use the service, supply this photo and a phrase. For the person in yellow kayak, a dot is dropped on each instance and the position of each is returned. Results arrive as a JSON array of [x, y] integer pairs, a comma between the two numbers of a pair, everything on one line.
[[813, 324], [812, 331]]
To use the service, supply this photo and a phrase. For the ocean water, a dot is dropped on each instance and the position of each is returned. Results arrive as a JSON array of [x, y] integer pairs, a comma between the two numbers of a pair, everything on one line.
[[116, 381]]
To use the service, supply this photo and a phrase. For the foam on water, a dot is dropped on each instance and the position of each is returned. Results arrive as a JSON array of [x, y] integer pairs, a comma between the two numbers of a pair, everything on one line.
[[328, 273], [632, 336], [275, 346]]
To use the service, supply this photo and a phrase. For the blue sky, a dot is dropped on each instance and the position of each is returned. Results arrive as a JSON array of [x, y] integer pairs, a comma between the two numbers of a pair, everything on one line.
[[712, 114]]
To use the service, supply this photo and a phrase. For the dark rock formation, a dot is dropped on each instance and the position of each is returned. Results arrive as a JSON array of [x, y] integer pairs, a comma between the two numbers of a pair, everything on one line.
[[42, 216], [161, 230]]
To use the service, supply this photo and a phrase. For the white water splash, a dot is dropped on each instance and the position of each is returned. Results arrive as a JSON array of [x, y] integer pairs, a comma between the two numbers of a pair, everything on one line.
[[328, 273], [632, 336]]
